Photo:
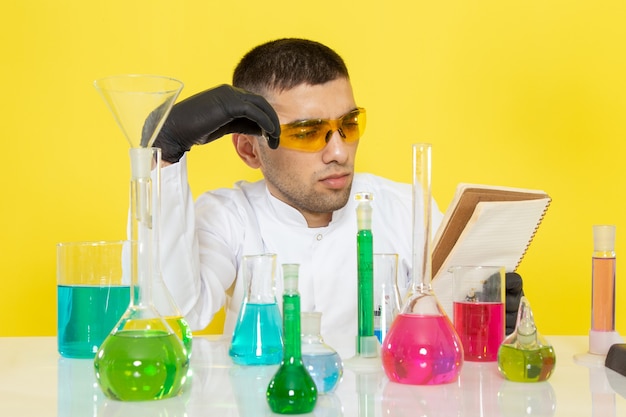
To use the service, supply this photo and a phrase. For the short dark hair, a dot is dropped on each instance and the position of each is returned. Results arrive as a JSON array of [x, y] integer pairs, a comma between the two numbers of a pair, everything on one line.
[[285, 63]]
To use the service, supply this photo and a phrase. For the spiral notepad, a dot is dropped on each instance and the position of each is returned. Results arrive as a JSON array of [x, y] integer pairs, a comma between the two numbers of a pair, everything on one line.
[[485, 225]]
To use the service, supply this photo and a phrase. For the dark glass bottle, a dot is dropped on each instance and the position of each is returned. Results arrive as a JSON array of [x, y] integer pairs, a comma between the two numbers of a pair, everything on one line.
[[291, 390]]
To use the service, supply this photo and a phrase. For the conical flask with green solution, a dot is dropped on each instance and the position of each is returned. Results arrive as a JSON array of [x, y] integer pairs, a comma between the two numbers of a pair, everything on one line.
[[142, 358]]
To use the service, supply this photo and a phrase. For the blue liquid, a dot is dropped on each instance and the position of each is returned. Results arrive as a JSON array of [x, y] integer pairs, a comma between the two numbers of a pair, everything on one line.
[[325, 369], [86, 316], [257, 339]]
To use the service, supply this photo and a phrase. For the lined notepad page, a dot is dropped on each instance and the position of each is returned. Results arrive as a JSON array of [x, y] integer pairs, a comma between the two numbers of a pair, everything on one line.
[[497, 234]]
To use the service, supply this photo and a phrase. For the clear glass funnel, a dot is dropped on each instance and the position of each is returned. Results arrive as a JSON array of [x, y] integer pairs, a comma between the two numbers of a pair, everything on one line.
[[422, 347], [139, 103]]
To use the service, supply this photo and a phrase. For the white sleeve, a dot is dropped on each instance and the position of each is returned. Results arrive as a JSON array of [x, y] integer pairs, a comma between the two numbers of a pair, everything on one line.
[[436, 217], [192, 291]]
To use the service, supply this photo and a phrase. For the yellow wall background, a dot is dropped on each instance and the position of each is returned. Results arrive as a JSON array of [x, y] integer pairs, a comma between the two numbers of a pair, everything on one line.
[[520, 93]]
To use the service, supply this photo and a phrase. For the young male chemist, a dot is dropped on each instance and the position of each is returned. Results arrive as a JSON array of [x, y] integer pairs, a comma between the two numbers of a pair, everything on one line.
[[293, 116]]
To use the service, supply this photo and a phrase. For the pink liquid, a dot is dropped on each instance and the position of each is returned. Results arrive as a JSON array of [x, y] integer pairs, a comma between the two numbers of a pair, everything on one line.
[[481, 329], [422, 350]]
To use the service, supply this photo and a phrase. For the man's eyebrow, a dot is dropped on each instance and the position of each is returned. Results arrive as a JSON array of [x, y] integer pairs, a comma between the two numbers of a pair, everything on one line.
[[305, 122]]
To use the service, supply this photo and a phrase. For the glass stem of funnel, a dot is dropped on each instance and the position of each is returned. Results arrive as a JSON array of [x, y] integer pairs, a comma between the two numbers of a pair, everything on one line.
[[141, 232]]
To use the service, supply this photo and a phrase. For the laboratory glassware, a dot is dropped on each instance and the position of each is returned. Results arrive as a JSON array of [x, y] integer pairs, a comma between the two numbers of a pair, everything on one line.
[[603, 262], [478, 310], [257, 338], [140, 104], [386, 293], [291, 390], [524, 355], [602, 334], [321, 360], [422, 347], [366, 344], [142, 358], [161, 297], [91, 295]]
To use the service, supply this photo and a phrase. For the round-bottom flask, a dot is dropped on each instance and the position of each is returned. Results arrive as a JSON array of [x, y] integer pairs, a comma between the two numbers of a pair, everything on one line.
[[142, 358], [291, 389], [322, 361], [422, 347], [141, 363]]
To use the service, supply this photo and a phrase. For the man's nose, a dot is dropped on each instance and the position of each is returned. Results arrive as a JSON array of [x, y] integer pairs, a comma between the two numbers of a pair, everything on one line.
[[336, 148]]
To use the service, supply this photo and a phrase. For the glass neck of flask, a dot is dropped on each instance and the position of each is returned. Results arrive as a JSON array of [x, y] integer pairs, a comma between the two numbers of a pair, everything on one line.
[[291, 325], [422, 262]]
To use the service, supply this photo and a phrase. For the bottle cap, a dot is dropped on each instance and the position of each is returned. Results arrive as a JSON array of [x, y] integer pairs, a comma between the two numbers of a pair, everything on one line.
[[290, 277], [604, 238], [364, 210], [311, 322]]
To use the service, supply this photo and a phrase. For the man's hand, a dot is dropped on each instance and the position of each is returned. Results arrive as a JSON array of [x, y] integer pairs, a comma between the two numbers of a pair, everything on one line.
[[212, 114], [514, 293]]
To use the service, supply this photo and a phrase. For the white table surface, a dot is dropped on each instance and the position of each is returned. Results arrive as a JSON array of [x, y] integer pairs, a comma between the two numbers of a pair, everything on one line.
[[36, 381]]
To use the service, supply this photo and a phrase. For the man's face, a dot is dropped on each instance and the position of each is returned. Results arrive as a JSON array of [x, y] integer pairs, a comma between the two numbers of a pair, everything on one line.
[[315, 183]]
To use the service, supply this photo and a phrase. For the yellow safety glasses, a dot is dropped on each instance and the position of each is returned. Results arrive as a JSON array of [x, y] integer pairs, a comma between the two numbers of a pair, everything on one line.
[[312, 135]]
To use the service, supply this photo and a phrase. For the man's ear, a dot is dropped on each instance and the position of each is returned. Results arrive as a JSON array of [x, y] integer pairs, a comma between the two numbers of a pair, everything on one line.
[[247, 149]]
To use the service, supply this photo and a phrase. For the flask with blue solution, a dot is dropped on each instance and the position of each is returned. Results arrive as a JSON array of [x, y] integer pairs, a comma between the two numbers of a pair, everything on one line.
[[257, 338], [322, 361]]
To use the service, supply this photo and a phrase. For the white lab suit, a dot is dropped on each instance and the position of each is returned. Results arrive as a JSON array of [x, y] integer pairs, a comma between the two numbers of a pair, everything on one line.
[[202, 245]]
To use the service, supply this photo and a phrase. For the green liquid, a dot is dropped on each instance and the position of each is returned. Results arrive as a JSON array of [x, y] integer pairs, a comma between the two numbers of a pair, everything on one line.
[[292, 390], [138, 365], [183, 331], [177, 323], [365, 262], [521, 365]]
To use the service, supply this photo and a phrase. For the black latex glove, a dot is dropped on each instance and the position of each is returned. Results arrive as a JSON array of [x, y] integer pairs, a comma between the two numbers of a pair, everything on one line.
[[514, 293], [212, 114]]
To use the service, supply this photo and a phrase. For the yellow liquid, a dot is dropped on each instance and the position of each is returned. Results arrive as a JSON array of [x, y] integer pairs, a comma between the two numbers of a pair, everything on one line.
[[177, 323], [526, 365]]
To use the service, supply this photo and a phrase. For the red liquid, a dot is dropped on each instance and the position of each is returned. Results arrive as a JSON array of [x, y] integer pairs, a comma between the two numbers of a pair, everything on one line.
[[422, 350], [481, 329]]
